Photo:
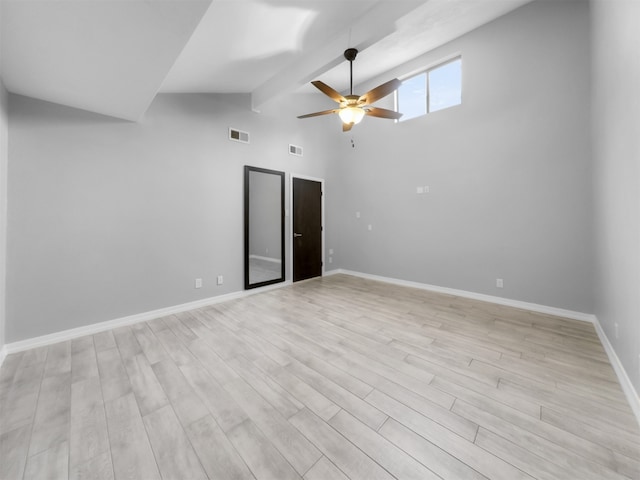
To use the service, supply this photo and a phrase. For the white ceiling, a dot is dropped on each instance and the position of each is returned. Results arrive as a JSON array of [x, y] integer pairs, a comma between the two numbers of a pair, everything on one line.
[[113, 56]]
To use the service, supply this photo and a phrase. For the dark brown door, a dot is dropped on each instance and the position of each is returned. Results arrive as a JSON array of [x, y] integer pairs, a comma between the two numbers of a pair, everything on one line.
[[307, 229]]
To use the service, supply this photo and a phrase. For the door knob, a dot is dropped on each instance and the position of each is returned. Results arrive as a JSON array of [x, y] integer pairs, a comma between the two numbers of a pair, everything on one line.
[[295, 235]]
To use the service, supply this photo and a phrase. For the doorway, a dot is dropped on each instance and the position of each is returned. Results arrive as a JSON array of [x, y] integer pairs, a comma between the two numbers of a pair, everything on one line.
[[307, 227]]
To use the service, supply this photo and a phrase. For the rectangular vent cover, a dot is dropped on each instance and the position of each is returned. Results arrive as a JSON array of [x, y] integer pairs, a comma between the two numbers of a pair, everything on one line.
[[295, 150], [238, 135]]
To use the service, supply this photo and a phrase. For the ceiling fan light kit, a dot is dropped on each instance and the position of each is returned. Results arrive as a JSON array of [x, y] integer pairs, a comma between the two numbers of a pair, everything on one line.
[[351, 115], [353, 108]]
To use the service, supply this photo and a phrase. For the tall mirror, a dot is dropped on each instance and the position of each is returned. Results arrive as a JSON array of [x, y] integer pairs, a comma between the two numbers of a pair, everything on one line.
[[263, 227]]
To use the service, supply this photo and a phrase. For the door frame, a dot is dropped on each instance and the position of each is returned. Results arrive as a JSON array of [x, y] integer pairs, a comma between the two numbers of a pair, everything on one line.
[[314, 179]]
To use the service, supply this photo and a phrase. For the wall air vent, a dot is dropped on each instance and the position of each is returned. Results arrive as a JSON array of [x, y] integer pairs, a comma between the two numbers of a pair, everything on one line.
[[295, 150], [238, 135]]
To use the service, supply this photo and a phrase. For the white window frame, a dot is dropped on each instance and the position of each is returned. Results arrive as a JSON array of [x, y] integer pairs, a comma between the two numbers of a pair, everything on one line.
[[425, 71]]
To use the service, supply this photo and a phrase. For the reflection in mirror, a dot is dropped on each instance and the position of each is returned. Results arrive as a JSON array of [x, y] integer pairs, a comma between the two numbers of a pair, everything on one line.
[[263, 227]]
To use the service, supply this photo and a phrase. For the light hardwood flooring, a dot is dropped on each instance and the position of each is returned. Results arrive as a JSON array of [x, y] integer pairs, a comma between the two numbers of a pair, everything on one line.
[[333, 378]]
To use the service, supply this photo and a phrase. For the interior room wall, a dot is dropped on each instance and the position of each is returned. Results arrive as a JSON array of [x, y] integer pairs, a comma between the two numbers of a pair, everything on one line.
[[4, 121], [509, 170], [616, 117], [111, 218]]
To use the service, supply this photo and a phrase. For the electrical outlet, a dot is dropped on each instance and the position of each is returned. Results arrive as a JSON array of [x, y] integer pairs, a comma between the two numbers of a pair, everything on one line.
[[357, 214], [369, 227], [615, 330], [220, 279], [419, 190], [330, 259], [499, 283], [426, 189], [198, 283], [331, 251]]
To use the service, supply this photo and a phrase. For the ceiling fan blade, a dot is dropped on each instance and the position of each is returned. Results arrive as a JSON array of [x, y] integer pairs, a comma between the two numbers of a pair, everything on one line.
[[346, 127], [327, 90], [380, 91], [382, 113], [317, 114]]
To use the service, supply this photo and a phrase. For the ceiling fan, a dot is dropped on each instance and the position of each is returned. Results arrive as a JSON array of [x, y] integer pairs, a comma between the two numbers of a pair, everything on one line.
[[354, 107]]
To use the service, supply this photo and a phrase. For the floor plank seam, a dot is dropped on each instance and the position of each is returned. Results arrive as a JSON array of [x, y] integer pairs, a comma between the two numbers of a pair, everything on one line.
[[413, 384]]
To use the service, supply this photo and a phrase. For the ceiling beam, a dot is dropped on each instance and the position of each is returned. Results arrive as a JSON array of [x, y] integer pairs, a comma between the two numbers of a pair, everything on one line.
[[376, 24]]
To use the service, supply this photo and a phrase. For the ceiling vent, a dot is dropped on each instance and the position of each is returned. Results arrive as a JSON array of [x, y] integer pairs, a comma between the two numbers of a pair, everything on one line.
[[295, 150], [238, 135]]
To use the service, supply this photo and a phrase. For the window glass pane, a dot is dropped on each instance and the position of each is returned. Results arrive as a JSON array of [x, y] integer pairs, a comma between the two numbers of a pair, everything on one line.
[[412, 97], [445, 86]]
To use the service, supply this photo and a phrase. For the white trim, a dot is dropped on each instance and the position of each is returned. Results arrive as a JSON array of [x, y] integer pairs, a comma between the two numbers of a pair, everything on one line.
[[426, 69], [315, 179], [534, 307], [431, 65], [129, 320], [623, 378], [625, 382]]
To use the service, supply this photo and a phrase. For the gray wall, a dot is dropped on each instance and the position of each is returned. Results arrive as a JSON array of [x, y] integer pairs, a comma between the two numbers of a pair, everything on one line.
[[616, 122], [4, 127], [110, 218], [509, 170]]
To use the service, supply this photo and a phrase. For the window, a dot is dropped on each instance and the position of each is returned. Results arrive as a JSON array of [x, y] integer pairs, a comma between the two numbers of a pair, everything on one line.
[[435, 89], [412, 97], [445, 86]]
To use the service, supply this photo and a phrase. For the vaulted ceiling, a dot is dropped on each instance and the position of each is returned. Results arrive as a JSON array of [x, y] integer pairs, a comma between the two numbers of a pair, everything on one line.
[[113, 56]]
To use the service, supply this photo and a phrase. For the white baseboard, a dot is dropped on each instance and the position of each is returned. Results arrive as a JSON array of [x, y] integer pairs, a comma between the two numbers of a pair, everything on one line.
[[621, 373], [129, 320], [533, 307], [623, 378]]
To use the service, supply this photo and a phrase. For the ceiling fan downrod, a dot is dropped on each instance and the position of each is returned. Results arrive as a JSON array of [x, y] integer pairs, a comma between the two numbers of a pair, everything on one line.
[[350, 54]]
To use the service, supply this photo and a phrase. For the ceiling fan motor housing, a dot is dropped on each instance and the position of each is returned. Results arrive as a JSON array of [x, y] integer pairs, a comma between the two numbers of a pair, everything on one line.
[[351, 101], [350, 54]]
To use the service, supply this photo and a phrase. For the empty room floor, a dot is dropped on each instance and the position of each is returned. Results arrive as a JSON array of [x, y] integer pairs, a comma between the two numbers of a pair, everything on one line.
[[332, 378]]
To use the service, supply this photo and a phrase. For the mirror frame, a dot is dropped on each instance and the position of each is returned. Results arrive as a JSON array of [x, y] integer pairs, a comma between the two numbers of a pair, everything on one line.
[[247, 231]]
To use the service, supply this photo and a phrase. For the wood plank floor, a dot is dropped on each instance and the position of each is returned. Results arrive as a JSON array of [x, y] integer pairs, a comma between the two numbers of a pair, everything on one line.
[[333, 378]]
